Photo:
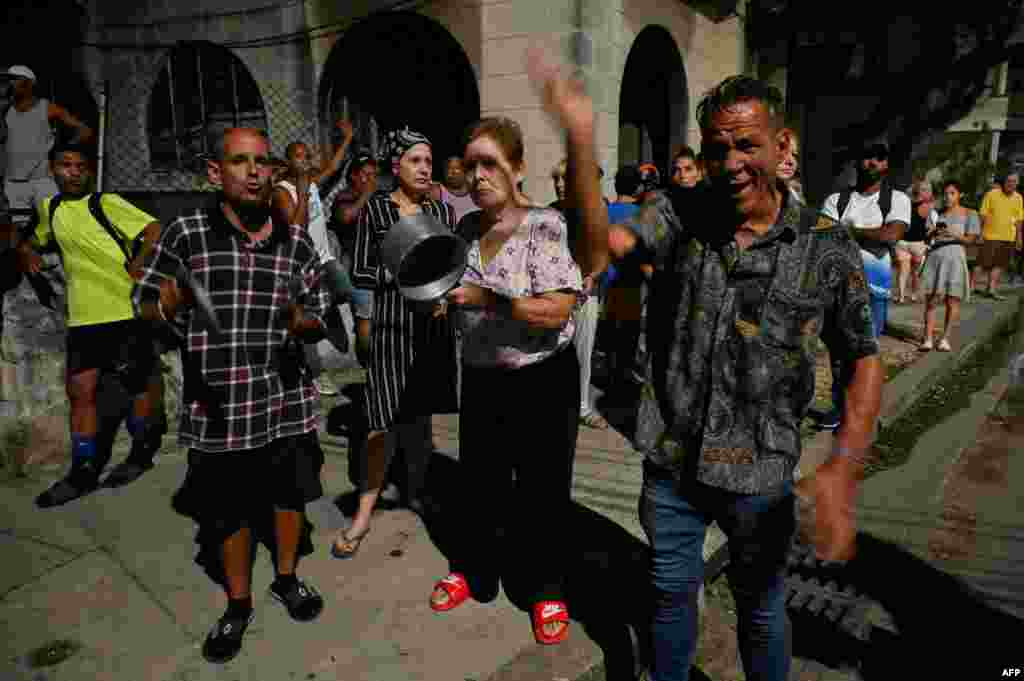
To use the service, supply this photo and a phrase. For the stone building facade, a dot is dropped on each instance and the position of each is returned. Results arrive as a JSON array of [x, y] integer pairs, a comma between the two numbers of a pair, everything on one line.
[[161, 74], [313, 60]]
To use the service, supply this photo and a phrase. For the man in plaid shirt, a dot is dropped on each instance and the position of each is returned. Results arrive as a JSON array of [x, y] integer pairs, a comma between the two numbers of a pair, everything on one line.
[[249, 411]]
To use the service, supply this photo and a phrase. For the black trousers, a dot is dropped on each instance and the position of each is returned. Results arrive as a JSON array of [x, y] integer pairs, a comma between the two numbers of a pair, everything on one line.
[[522, 422]]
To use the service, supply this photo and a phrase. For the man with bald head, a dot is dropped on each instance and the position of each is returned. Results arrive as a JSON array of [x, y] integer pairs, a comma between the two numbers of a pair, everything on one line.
[[249, 410]]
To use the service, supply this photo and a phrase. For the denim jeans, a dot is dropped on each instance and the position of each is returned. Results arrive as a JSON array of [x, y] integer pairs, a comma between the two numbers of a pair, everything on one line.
[[760, 529]]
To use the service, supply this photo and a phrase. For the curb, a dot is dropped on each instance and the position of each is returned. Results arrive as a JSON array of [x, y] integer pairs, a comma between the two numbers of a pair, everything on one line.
[[898, 398]]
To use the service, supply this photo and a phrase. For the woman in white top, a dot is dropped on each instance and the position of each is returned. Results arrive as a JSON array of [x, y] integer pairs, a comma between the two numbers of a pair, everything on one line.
[[520, 385]]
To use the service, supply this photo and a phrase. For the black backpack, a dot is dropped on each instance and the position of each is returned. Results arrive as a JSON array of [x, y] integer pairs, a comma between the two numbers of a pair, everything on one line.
[[877, 249]]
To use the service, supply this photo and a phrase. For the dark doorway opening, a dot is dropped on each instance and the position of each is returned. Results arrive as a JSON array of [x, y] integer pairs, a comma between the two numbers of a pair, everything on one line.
[[654, 100], [399, 69]]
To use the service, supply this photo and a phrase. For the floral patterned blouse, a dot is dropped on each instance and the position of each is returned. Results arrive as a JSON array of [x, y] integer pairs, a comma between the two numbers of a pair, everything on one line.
[[534, 260]]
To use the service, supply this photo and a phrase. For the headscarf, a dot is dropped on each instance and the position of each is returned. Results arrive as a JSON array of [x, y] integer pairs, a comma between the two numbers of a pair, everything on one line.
[[401, 141]]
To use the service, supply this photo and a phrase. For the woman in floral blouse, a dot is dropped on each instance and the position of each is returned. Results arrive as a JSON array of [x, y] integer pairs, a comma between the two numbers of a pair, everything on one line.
[[520, 384]]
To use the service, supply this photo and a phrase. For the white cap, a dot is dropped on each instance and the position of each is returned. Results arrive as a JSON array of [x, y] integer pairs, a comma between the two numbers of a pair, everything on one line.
[[20, 71]]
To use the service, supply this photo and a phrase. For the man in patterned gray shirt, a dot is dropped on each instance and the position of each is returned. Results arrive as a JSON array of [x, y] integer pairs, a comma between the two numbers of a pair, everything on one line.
[[738, 298]]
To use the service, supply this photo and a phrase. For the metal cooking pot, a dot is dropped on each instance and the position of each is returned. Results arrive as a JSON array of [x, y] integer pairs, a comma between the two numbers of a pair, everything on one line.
[[425, 258]]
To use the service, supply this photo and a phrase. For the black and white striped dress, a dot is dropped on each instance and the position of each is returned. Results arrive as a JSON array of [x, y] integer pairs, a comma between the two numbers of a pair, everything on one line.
[[412, 369]]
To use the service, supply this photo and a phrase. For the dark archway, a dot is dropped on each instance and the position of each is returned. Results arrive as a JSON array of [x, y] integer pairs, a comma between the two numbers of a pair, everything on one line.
[[202, 88], [439, 97], [654, 101]]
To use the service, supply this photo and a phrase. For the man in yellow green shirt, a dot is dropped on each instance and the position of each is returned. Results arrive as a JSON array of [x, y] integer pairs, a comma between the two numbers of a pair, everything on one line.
[[1002, 213], [103, 333]]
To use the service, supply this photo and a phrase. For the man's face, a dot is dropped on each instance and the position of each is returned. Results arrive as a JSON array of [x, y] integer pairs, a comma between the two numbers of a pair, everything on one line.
[[455, 175], [362, 178], [922, 194], [415, 168], [558, 177], [1010, 186], [23, 87], [685, 173], [73, 173], [244, 172], [872, 168], [298, 158], [742, 151]]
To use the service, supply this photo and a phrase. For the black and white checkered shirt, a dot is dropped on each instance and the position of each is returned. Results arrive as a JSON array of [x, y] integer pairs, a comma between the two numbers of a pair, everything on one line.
[[250, 387]]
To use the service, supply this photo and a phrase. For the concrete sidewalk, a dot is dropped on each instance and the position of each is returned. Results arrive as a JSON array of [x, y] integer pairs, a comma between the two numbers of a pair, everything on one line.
[[112, 576]]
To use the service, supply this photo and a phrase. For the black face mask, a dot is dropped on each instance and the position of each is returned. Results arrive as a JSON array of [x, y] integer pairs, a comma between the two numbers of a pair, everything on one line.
[[867, 176]]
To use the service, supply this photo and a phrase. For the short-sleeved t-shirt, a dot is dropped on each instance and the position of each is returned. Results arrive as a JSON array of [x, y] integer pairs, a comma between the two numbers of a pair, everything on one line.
[[99, 289], [534, 260], [1002, 213], [863, 212]]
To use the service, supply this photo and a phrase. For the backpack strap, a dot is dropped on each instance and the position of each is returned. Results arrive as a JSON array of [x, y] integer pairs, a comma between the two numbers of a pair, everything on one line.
[[54, 205], [885, 200], [96, 208], [844, 201]]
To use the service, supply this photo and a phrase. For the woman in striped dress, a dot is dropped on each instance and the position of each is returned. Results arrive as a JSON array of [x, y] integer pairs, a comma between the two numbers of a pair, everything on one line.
[[411, 369]]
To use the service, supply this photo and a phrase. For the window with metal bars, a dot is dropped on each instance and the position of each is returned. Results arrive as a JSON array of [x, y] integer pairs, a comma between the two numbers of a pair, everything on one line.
[[202, 89]]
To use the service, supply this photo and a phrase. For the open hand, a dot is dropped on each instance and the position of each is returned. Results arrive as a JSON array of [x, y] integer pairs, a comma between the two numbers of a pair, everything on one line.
[[470, 295], [563, 97], [173, 296], [834, 491]]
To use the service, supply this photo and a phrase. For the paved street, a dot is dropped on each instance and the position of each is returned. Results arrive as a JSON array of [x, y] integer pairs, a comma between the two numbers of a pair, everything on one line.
[[112, 574]]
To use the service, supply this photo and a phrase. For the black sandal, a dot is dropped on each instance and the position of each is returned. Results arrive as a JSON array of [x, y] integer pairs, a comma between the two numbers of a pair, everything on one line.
[[225, 640], [303, 602]]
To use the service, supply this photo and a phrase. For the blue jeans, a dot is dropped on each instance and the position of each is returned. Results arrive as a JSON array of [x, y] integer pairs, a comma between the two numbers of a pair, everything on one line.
[[840, 377], [760, 529]]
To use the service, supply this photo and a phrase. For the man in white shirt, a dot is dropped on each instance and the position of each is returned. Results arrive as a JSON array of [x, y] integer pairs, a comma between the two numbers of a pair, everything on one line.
[[861, 209]]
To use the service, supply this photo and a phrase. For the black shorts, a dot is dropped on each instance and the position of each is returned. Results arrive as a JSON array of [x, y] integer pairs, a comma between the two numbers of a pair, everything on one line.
[[124, 347], [224, 492]]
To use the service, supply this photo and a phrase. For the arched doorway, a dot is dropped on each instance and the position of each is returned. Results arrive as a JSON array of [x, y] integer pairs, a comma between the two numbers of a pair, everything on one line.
[[654, 101], [439, 96]]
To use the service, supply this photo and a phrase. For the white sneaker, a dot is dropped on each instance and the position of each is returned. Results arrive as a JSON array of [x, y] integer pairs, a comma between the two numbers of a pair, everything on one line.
[[927, 345], [325, 386], [944, 345]]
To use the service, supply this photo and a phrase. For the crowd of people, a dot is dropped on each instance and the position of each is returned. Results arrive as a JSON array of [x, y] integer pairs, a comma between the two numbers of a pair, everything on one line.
[[724, 271]]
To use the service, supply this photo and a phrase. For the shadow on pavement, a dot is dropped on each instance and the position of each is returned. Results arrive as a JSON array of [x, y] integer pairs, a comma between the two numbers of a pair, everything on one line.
[[606, 578], [945, 628]]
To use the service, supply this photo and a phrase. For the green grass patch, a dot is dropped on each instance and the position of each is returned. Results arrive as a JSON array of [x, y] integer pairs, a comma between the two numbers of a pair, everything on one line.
[[951, 395]]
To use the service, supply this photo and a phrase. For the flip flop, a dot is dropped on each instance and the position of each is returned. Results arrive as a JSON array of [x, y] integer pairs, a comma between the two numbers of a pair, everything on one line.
[[349, 546], [457, 588], [546, 612]]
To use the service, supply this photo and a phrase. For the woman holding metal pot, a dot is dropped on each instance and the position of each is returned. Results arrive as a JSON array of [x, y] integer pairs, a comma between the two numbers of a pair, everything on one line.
[[411, 369], [520, 397]]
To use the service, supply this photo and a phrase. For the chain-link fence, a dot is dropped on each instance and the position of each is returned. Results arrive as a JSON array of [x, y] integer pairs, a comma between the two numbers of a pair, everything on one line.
[[135, 150]]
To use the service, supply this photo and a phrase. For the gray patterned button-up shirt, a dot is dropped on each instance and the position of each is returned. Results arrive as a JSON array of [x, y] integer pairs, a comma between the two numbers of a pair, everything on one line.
[[732, 338]]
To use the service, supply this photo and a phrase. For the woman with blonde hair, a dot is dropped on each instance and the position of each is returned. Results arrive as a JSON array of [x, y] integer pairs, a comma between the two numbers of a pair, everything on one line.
[[520, 399]]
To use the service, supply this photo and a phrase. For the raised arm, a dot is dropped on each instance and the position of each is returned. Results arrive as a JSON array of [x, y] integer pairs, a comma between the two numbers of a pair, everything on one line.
[[334, 162], [150, 237], [57, 113], [288, 211], [565, 101]]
